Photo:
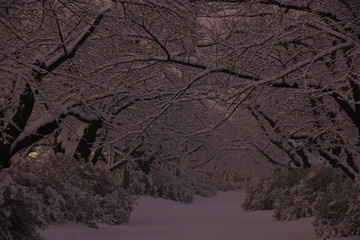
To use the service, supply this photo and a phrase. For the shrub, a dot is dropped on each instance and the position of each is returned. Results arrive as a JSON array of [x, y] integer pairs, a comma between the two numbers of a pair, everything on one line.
[[161, 184], [56, 190], [18, 210], [323, 192], [264, 193], [338, 210], [302, 198], [165, 184]]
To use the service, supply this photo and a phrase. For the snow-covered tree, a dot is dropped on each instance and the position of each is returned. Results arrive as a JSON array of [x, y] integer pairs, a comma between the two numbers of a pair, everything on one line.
[[306, 48], [38, 38], [148, 57]]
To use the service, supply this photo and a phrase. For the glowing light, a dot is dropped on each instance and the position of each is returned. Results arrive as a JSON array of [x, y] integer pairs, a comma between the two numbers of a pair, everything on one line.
[[33, 154]]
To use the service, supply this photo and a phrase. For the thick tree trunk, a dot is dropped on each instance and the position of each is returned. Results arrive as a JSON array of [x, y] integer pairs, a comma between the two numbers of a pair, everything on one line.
[[16, 124], [126, 178], [99, 151], [305, 160], [84, 148], [58, 148], [5, 158]]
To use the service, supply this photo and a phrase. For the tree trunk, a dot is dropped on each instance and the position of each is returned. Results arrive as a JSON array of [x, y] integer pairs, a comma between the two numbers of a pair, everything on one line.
[[5, 159], [16, 125], [84, 148], [126, 179]]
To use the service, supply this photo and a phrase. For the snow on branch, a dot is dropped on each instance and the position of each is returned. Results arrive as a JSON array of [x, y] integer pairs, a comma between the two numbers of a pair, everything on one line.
[[72, 48], [193, 62], [308, 61], [329, 31], [34, 132], [288, 4], [86, 118], [186, 61], [47, 125], [173, 6]]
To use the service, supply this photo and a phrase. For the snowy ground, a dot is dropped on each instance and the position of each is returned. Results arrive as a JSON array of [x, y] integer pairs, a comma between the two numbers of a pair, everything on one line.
[[219, 218]]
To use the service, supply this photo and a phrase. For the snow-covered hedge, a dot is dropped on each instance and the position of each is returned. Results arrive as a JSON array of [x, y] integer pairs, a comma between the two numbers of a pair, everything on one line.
[[302, 198], [56, 190], [322, 192], [264, 193], [171, 187], [338, 210], [160, 183]]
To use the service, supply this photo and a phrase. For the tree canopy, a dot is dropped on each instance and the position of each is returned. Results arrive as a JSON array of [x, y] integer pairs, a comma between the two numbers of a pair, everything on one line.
[[82, 77]]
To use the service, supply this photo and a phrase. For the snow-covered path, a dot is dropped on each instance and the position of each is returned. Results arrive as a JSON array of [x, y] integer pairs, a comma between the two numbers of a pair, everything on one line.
[[219, 218]]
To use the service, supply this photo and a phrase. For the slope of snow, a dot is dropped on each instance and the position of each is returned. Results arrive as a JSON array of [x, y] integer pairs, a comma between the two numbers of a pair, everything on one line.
[[218, 218]]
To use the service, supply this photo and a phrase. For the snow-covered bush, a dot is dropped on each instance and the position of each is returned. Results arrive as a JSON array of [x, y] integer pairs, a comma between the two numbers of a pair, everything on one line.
[[171, 187], [301, 199], [19, 207], [264, 193], [225, 185], [56, 190], [165, 184], [199, 183], [338, 210], [323, 192], [161, 184], [142, 184]]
